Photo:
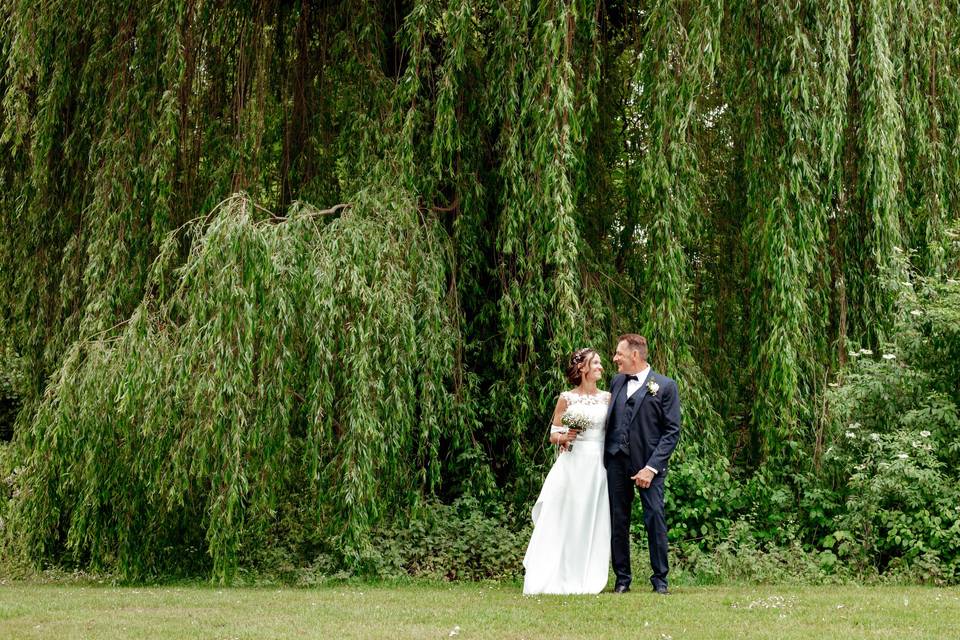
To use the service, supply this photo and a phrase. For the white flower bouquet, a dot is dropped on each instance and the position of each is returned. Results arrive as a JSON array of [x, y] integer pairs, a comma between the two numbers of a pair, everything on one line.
[[575, 418]]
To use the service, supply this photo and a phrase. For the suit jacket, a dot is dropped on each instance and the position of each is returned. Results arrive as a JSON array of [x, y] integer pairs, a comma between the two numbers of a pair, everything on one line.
[[655, 423]]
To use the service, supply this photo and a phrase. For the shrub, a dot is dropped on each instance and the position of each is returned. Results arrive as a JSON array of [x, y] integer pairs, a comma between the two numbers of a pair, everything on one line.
[[903, 509], [460, 541], [894, 447], [9, 488], [744, 556], [701, 500]]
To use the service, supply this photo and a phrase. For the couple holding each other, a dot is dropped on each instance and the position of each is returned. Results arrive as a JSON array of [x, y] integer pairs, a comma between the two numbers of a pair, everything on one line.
[[582, 515]]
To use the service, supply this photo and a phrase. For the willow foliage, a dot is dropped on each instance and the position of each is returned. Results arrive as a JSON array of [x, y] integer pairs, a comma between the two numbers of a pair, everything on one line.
[[878, 171], [788, 154], [281, 353], [675, 66], [752, 186]]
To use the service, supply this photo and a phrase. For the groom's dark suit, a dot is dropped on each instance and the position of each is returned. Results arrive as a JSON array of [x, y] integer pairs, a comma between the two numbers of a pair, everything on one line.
[[642, 430]]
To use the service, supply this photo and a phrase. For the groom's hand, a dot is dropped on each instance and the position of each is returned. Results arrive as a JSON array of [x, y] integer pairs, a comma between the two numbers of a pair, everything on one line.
[[643, 478]]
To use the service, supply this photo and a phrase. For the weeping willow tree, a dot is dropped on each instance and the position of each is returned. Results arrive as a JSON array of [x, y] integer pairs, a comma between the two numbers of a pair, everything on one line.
[[258, 367], [789, 120], [676, 61], [257, 256], [875, 214]]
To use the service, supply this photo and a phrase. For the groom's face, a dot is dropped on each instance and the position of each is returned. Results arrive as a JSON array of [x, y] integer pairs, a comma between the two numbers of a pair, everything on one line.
[[626, 359]]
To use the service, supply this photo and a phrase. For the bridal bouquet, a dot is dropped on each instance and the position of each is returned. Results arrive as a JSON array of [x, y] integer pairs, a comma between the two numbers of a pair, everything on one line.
[[575, 418]]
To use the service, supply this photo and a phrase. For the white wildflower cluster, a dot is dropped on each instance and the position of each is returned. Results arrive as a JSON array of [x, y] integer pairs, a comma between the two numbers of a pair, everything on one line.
[[11, 481], [772, 602], [924, 443], [889, 356]]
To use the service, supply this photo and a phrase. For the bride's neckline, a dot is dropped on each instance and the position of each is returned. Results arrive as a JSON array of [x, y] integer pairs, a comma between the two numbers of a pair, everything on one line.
[[587, 395]]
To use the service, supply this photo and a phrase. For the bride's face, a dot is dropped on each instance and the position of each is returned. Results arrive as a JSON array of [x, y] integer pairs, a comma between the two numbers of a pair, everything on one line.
[[592, 369]]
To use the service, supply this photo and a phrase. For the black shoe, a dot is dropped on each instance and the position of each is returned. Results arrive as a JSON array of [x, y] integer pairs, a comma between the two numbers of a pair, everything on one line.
[[661, 590], [621, 588]]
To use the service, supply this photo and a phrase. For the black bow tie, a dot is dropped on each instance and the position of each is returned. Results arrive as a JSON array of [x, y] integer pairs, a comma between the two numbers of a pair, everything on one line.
[[630, 377]]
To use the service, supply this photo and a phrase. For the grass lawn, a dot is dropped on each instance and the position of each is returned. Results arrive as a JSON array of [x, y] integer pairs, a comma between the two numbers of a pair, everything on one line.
[[436, 610]]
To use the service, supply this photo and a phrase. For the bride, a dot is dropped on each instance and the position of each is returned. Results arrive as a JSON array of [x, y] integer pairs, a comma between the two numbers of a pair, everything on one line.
[[569, 551]]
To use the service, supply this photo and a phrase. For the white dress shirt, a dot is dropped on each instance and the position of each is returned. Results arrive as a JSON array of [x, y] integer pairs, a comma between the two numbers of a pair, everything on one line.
[[634, 385]]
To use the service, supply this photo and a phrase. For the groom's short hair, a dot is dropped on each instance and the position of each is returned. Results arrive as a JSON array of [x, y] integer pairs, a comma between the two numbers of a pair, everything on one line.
[[636, 342]]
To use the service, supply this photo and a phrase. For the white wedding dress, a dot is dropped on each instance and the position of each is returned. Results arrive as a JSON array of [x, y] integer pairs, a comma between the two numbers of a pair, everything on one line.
[[569, 551]]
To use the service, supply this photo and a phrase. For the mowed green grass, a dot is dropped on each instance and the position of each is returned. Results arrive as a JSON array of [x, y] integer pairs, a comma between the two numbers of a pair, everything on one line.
[[463, 611]]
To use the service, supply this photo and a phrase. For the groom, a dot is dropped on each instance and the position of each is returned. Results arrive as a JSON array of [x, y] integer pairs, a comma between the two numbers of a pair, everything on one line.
[[643, 426]]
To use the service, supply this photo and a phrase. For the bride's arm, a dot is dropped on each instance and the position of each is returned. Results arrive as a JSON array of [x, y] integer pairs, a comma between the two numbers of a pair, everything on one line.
[[560, 437]]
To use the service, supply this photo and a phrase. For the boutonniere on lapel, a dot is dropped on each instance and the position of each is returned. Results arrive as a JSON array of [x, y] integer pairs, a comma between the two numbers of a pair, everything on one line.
[[653, 387]]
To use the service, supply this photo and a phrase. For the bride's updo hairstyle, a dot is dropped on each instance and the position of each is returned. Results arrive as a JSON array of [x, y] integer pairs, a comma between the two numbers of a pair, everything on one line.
[[577, 358]]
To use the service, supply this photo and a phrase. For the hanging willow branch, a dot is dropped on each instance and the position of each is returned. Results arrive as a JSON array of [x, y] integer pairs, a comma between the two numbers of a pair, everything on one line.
[[197, 409], [875, 255], [678, 58]]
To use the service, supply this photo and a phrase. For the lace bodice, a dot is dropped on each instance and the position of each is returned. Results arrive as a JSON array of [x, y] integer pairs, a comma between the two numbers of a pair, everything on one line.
[[594, 406]]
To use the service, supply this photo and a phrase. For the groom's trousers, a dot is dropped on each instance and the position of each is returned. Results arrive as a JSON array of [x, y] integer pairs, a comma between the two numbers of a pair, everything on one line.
[[621, 491]]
